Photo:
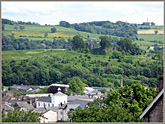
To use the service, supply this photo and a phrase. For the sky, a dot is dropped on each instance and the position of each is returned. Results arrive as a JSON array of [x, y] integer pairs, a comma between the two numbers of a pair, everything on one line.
[[78, 12]]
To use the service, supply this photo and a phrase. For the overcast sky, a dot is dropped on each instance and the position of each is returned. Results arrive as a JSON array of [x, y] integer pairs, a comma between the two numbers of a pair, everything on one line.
[[77, 12]]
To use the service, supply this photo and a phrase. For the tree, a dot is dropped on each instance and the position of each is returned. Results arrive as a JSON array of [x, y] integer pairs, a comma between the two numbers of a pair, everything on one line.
[[121, 105], [105, 42], [159, 55], [152, 23], [76, 85], [65, 24], [125, 44], [3, 27], [19, 115], [16, 27], [77, 43], [22, 28], [46, 34], [53, 30], [156, 32]]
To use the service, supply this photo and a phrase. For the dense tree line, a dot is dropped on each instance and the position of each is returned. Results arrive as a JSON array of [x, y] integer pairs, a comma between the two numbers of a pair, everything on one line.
[[121, 105], [120, 29], [10, 43], [10, 22], [93, 72]]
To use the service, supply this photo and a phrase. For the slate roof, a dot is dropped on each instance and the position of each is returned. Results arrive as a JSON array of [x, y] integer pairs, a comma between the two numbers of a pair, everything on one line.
[[82, 103], [23, 87], [20, 87], [99, 88], [92, 92], [44, 99], [55, 109], [6, 106], [71, 98], [25, 105], [152, 103], [39, 110], [43, 110], [73, 106]]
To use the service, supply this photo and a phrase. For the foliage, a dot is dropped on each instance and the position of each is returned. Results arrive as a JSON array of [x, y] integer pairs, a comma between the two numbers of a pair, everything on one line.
[[65, 24], [22, 28], [119, 28], [105, 42], [77, 42], [16, 93], [10, 43], [53, 30], [127, 45], [121, 105], [44, 67], [155, 31], [76, 85], [19, 115]]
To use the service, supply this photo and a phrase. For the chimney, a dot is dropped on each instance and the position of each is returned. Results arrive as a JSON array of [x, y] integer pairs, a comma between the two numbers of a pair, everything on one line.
[[160, 80], [121, 83]]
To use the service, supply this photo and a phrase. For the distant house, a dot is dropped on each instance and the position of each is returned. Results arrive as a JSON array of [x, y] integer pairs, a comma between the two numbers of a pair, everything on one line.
[[94, 94], [52, 101], [53, 88], [24, 88], [154, 111], [24, 106], [49, 117], [89, 45], [94, 39]]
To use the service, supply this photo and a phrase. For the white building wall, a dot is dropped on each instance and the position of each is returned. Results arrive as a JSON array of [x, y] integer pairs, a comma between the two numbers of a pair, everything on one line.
[[57, 99], [49, 117], [47, 104]]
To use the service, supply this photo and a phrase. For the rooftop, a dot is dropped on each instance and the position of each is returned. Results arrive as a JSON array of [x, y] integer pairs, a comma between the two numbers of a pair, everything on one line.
[[44, 99], [25, 105], [60, 85]]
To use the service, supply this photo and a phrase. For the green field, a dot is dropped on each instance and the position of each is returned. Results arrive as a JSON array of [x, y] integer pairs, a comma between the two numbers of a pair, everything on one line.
[[151, 37], [35, 31]]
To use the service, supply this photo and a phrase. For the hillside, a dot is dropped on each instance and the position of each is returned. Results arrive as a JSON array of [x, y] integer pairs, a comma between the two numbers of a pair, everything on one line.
[[43, 67], [42, 33]]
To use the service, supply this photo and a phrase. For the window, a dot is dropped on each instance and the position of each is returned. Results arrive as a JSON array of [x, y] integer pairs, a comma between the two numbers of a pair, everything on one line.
[[38, 104], [48, 105]]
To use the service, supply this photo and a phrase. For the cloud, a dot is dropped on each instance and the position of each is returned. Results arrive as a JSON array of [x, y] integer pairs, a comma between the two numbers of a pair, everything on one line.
[[53, 12]]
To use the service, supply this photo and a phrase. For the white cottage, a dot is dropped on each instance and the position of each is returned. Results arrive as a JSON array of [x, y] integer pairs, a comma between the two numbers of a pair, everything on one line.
[[49, 117], [52, 101]]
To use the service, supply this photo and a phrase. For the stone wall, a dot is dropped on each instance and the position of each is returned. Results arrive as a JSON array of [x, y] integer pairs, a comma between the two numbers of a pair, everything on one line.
[[156, 112]]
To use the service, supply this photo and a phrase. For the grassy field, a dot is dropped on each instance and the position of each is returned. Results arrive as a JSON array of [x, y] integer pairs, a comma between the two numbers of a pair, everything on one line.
[[32, 31], [37, 32], [42, 53], [150, 37]]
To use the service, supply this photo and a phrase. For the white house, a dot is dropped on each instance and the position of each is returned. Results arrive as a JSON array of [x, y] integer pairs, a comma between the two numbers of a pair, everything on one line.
[[49, 117], [52, 101]]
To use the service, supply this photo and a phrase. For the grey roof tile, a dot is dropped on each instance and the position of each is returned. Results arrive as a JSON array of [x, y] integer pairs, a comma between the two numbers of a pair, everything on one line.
[[44, 99]]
